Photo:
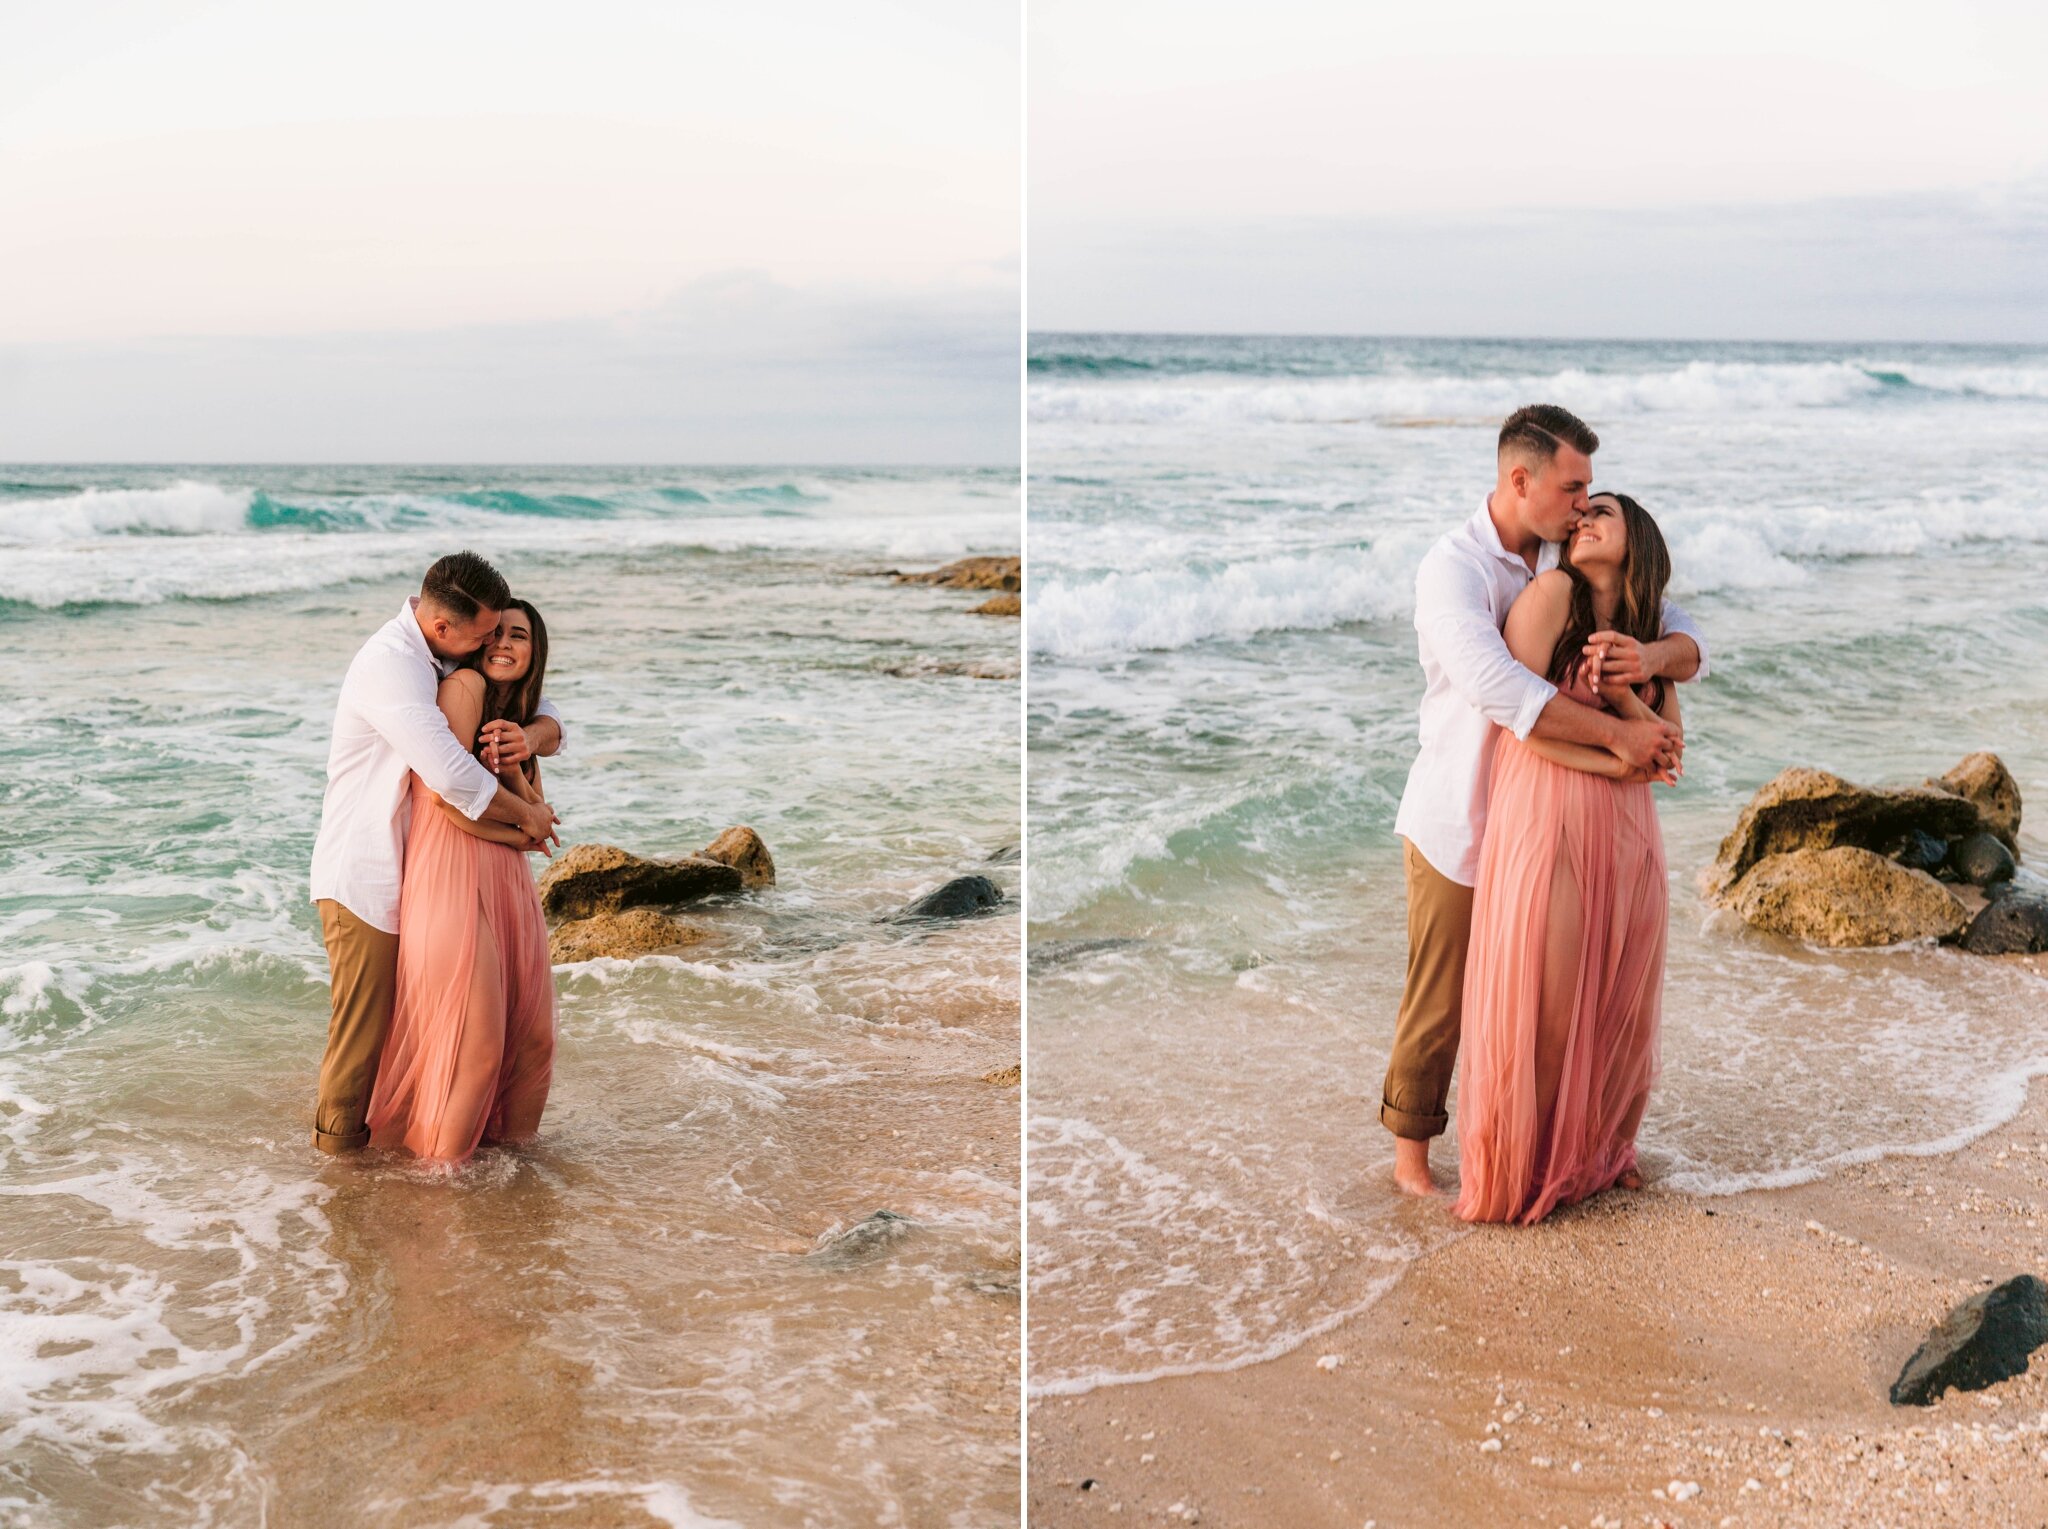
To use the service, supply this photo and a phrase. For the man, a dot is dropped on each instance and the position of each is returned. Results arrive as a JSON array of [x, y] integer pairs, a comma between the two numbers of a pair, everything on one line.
[[1463, 590], [387, 725]]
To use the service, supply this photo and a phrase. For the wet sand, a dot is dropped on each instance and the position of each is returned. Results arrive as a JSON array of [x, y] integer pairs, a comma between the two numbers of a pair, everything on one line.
[[1645, 1357]]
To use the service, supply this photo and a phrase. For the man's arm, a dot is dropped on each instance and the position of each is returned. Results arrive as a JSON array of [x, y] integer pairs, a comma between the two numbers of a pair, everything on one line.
[[1452, 615], [400, 704]]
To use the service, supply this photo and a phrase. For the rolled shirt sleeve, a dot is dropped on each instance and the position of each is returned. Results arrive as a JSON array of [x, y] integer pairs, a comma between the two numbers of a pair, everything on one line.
[[546, 708], [1454, 617], [400, 704], [1677, 621]]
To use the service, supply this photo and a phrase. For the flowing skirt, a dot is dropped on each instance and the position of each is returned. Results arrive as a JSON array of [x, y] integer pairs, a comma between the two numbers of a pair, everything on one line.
[[470, 1053], [1564, 986]]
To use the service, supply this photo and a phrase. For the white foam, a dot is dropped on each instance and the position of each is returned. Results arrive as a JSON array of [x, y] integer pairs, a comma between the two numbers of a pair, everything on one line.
[[183, 509], [1172, 608], [1694, 388]]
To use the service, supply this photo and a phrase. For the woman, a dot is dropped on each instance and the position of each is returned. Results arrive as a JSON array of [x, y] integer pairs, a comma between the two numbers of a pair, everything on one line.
[[471, 1048], [1564, 982]]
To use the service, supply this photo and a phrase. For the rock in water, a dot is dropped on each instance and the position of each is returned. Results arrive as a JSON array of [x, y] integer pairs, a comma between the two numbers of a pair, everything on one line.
[[865, 1239], [1812, 810], [742, 849], [1846, 896], [999, 605], [1005, 573], [1983, 780], [1921, 852], [962, 897], [1980, 1342], [1005, 1077], [597, 878], [2014, 924], [1982, 859], [621, 936]]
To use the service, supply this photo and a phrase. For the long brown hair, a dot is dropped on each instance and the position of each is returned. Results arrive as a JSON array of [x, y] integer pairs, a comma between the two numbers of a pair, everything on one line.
[[517, 700], [1645, 570]]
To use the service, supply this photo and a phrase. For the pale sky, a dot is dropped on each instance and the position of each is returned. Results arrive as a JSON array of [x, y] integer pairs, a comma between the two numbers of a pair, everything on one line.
[[1755, 169], [467, 231]]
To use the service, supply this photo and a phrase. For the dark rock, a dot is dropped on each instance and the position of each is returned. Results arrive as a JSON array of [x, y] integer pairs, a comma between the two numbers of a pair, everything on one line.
[[742, 849], [620, 936], [1983, 780], [962, 897], [589, 879], [1046, 955], [1981, 860], [868, 1238], [1812, 810], [1005, 573], [1009, 854], [1921, 852], [1980, 1342], [2013, 924], [1846, 897]]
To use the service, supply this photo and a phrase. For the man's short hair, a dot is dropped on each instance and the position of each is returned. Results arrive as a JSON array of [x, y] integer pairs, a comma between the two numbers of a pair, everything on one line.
[[463, 584], [1535, 431]]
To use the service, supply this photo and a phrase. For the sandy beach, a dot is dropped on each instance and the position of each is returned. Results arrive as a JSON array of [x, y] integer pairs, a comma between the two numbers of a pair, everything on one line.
[[1642, 1358]]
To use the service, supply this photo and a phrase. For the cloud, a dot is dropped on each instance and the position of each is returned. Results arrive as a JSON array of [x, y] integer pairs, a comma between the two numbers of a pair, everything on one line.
[[736, 368], [1917, 266]]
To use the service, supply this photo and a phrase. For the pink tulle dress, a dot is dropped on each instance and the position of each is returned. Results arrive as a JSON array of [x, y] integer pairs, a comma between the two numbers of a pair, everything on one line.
[[470, 1053], [1564, 986]]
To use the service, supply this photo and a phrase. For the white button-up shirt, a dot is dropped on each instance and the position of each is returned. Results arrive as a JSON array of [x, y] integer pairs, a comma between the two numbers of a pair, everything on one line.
[[1473, 683], [388, 726]]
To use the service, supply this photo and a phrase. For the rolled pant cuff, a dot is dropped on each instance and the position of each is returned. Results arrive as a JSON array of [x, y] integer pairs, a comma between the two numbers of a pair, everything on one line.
[[334, 1145], [1411, 1125]]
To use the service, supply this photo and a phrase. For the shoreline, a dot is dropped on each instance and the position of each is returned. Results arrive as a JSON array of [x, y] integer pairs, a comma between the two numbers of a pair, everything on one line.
[[1575, 1372]]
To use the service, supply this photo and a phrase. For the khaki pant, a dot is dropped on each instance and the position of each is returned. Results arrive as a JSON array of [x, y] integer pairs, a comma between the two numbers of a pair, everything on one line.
[[1432, 1002], [362, 965]]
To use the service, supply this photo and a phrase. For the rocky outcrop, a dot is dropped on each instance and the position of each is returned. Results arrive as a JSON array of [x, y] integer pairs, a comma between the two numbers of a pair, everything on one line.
[[1000, 605], [742, 849], [962, 897], [1846, 896], [1812, 810], [1822, 859], [869, 1238], [1982, 1341], [589, 879], [1982, 780], [1005, 1077], [619, 936], [1004, 573], [2015, 924]]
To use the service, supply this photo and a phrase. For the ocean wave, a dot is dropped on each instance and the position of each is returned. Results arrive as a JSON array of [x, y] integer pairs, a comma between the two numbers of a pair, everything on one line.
[[1697, 387], [181, 509], [1204, 599], [113, 567], [1174, 608]]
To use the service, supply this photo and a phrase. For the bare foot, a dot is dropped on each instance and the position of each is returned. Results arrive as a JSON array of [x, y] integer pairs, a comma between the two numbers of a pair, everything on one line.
[[1630, 1180], [1411, 1168]]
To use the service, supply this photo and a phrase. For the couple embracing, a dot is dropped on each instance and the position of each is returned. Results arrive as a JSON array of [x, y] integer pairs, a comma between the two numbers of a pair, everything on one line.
[[1534, 863], [442, 1031]]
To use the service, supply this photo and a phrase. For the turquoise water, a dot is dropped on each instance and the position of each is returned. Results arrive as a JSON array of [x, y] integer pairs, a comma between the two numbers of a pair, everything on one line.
[[1224, 534], [203, 1322]]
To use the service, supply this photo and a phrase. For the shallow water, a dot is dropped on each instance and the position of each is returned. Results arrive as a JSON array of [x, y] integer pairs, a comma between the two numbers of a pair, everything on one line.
[[637, 1319], [1222, 716]]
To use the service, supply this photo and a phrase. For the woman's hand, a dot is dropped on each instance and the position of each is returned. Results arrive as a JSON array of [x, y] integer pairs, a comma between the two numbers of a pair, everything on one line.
[[504, 744]]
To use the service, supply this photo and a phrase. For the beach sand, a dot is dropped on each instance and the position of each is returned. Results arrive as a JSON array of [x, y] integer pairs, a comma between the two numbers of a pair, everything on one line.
[[1635, 1344]]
